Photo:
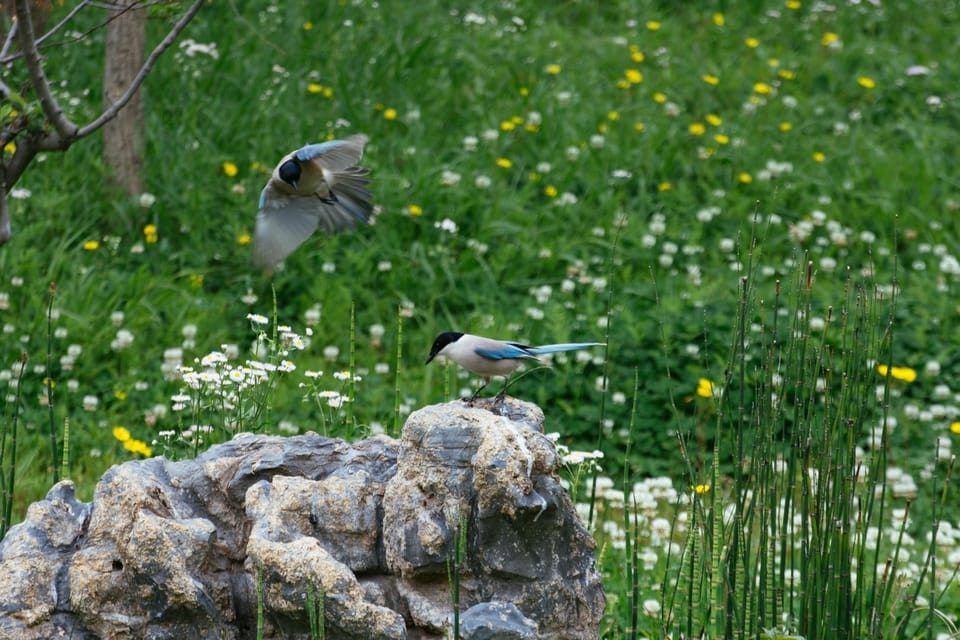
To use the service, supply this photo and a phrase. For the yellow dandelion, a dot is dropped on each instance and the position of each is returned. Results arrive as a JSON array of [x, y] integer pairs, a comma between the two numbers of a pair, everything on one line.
[[819, 156], [196, 280], [516, 119], [553, 69], [504, 163], [91, 245], [623, 83], [230, 169], [550, 191], [638, 127], [721, 138], [508, 125], [120, 395], [829, 38], [711, 79], [602, 127], [762, 88], [705, 388], [532, 128], [718, 19], [10, 147], [327, 92], [752, 43], [613, 115], [714, 120], [701, 489], [138, 446], [744, 178], [633, 76], [697, 128], [955, 427], [390, 114], [636, 55], [773, 62], [524, 91], [866, 83], [792, 4], [785, 126], [659, 98], [664, 186], [150, 234], [121, 433], [905, 374], [653, 25], [243, 239], [415, 210], [314, 87], [307, 25], [786, 74]]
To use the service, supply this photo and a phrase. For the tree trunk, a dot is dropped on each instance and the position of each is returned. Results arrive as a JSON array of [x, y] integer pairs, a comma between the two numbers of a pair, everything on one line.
[[123, 137]]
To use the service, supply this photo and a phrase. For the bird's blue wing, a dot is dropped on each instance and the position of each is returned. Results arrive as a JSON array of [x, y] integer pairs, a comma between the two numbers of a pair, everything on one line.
[[334, 155], [506, 351], [283, 224]]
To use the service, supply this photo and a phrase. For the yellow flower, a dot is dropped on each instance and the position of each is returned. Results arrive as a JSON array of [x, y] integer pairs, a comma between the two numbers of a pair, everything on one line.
[[905, 374], [10, 147], [866, 83], [718, 19], [507, 125], [553, 69], [744, 177], [659, 98], [196, 280], [314, 87], [229, 169], [415, 210], [516, 120], [138, 446], [150, 233], [243, 239], [524, 92], [613, 115], [714, 120], [307, 25], [327, 92], [721, 138], [773, 62], [786, 74], [786, 126], [705, 388], [653, 25], [697, 129], [819, 156], [120, 395], [829, 38], [121, 433], [710, 79], [390, 114], [623, 84], [504, 163], [753, 43], [91, 245], [701, 489], [793, 4], [638, 127], [762, 88], [955, 427], [665, 186], [550, 191], [636, 55], [633, 76]]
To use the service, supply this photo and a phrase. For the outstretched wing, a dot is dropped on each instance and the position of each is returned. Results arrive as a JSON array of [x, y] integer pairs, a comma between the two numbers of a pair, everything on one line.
[[334, 155], [283, 223]]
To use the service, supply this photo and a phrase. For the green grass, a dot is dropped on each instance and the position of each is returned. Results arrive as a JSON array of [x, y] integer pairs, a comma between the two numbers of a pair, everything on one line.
[[626, 214]]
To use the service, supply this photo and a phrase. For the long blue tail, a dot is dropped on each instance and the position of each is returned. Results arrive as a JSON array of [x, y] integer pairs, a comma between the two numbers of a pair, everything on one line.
[[571, 346]]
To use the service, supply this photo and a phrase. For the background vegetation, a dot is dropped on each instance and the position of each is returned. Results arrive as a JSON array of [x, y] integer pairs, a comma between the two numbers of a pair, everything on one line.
[[585, 171]]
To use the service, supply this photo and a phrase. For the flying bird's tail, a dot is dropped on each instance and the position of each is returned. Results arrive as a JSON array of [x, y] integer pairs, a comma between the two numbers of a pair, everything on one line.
[[349, 188], [554, 348]]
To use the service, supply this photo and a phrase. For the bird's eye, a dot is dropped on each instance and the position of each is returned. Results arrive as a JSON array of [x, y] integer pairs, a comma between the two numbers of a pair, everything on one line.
[[290, 172]]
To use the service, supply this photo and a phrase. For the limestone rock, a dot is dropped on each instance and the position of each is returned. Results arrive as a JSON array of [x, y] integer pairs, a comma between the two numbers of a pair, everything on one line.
[[365, 532]]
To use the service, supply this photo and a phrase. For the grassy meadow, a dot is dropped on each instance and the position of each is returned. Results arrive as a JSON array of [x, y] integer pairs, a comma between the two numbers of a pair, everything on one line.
[[754, 204]]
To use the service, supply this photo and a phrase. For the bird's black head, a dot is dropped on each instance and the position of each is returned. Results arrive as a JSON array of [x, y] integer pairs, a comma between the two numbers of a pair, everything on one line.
[[442, 340], [290, 172]]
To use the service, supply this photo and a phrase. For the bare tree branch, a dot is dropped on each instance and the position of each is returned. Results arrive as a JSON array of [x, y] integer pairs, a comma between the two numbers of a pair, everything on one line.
[[10, 37], [28, 43], [144, 70], [59, 25]]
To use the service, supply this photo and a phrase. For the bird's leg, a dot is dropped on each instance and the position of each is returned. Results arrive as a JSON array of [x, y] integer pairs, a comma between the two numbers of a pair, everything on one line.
[[476, 393], [503, 392]]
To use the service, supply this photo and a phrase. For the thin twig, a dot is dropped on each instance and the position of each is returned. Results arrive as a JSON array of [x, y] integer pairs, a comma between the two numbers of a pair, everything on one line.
[[10, 37], [60, 24], [121, 102]]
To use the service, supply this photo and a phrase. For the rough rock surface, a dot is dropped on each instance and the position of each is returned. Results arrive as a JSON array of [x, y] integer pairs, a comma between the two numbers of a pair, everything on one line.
[[181, 549]]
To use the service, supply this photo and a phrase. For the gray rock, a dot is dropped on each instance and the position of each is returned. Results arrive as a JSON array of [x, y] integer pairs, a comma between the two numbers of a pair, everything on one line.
[[180, 549]]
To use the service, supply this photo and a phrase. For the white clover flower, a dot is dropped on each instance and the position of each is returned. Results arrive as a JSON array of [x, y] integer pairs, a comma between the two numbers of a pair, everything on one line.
[[122, 341], [331, 352], [482, 182], [470, 143], [312, 316], [450, 178], [447, 225], [147, 199], [90, 403], [116, 318], [572, 153]]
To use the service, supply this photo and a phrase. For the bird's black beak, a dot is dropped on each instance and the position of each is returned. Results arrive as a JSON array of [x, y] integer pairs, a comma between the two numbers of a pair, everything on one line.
[[429, 358]]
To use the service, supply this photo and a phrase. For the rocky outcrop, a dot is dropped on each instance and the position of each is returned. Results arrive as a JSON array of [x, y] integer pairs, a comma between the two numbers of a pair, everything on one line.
[[361, 536]]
